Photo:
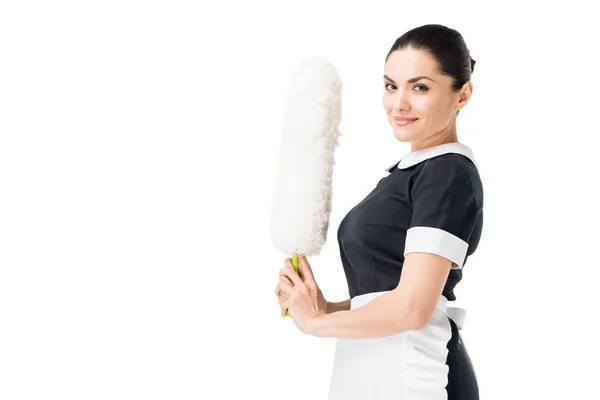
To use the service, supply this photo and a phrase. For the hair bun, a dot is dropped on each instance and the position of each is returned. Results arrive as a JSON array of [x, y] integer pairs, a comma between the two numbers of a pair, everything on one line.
[[472, 65]]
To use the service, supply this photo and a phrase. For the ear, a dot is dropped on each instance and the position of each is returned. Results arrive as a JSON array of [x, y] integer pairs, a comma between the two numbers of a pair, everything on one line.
[[464, 95]]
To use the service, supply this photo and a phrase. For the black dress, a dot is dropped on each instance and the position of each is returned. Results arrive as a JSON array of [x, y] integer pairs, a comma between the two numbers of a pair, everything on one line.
[[432, 202]]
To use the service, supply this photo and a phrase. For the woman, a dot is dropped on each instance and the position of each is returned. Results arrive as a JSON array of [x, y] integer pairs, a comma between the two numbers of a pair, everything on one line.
[[404, 246]]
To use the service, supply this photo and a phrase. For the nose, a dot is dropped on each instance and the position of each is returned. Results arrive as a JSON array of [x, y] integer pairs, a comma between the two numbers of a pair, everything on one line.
[[401, 102]]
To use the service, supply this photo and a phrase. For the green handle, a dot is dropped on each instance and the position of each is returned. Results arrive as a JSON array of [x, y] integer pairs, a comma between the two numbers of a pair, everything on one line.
[[295, 264]]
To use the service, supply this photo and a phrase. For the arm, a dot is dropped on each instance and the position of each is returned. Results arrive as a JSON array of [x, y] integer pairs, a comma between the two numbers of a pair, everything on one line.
[[446, 205], [408, 307], [333, 307]]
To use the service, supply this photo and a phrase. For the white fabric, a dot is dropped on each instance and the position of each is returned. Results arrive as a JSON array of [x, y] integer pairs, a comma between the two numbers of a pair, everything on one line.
[[418, 156], [406, 366], [424, 239]]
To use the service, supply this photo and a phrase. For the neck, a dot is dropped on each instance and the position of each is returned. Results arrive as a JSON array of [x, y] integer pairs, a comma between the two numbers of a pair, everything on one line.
[[447, 135]]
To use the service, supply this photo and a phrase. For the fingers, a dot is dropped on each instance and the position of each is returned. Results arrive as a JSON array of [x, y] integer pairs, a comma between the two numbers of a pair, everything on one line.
[[306, 271], [285, 288], [283, 306], [283, 301], [285, 280], [292, 275], [288, 264], [281, 297], [291, 283]]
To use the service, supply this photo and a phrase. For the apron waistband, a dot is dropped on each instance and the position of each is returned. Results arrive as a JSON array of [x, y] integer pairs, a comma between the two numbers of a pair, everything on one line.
[[454, 313]]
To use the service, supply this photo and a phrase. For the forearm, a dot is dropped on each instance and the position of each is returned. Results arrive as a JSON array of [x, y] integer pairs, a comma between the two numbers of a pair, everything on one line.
[[338, 306], [383, 316]]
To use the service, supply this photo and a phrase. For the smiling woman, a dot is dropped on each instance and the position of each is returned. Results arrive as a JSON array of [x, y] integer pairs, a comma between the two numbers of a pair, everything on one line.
[[427, 82], [404, 246]]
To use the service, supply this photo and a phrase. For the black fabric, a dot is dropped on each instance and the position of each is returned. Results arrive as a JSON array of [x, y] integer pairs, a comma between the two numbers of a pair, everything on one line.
[[445, 196], [443, 192], [462, 381]]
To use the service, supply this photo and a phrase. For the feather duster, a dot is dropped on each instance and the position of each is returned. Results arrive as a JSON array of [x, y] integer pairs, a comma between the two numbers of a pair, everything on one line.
[[302, 192]]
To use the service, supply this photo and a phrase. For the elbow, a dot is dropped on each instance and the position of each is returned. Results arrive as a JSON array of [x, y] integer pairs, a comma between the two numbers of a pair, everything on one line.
[[407, 320], [416, 323], [408, 313], [416, 319]]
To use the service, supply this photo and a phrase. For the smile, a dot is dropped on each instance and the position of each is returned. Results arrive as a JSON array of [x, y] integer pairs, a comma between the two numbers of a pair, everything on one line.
[[404, 121]]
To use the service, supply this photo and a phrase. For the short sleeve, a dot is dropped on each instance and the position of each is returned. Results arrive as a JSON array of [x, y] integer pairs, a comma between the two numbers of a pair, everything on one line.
[[445, 210]]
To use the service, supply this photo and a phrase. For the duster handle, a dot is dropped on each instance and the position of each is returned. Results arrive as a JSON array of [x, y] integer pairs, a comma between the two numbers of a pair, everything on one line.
[[295, 264]]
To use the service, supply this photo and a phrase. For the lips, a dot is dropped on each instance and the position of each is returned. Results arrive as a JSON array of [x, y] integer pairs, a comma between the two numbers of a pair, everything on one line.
[[403, 121]]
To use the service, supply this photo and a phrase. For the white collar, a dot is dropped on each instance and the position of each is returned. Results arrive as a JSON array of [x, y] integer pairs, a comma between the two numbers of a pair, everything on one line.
[[419, 156]]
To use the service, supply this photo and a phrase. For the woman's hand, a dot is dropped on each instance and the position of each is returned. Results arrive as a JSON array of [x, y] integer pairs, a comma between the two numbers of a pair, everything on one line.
[[300, 294]]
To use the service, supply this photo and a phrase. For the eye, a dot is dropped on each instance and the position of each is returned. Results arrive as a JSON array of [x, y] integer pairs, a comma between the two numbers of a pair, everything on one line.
[[422, 88], [385, 86]]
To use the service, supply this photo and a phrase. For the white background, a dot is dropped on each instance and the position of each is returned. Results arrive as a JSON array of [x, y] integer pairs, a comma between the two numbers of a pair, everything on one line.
[[138, 145]]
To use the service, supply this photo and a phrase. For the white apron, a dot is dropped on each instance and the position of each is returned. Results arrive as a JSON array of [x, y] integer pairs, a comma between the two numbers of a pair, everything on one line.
[[406, 366]]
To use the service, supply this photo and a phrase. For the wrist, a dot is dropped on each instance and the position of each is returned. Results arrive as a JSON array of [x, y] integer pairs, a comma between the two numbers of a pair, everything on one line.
[[319, 324]]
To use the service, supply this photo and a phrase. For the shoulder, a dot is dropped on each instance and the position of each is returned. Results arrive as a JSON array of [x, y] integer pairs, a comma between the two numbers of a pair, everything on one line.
[[449, 163], [448, 174], [451, 166]]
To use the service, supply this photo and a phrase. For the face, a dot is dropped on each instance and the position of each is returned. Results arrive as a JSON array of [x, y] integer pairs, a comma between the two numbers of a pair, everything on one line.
[[419, 101]]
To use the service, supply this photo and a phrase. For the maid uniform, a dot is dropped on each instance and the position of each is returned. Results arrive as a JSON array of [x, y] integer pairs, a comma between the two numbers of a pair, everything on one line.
[[430, 202]]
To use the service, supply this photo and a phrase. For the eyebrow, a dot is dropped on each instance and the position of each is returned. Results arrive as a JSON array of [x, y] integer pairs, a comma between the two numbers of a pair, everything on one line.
[[411, 80]]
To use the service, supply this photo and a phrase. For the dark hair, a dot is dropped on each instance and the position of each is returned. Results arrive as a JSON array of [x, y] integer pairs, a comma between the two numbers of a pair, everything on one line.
[[445, 45]]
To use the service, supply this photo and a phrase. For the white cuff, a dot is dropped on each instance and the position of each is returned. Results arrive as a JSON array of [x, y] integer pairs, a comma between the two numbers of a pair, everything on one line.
[[422, 239]]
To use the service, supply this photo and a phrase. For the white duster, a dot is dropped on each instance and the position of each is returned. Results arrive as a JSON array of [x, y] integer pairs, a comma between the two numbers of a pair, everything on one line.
[[302, 194]]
